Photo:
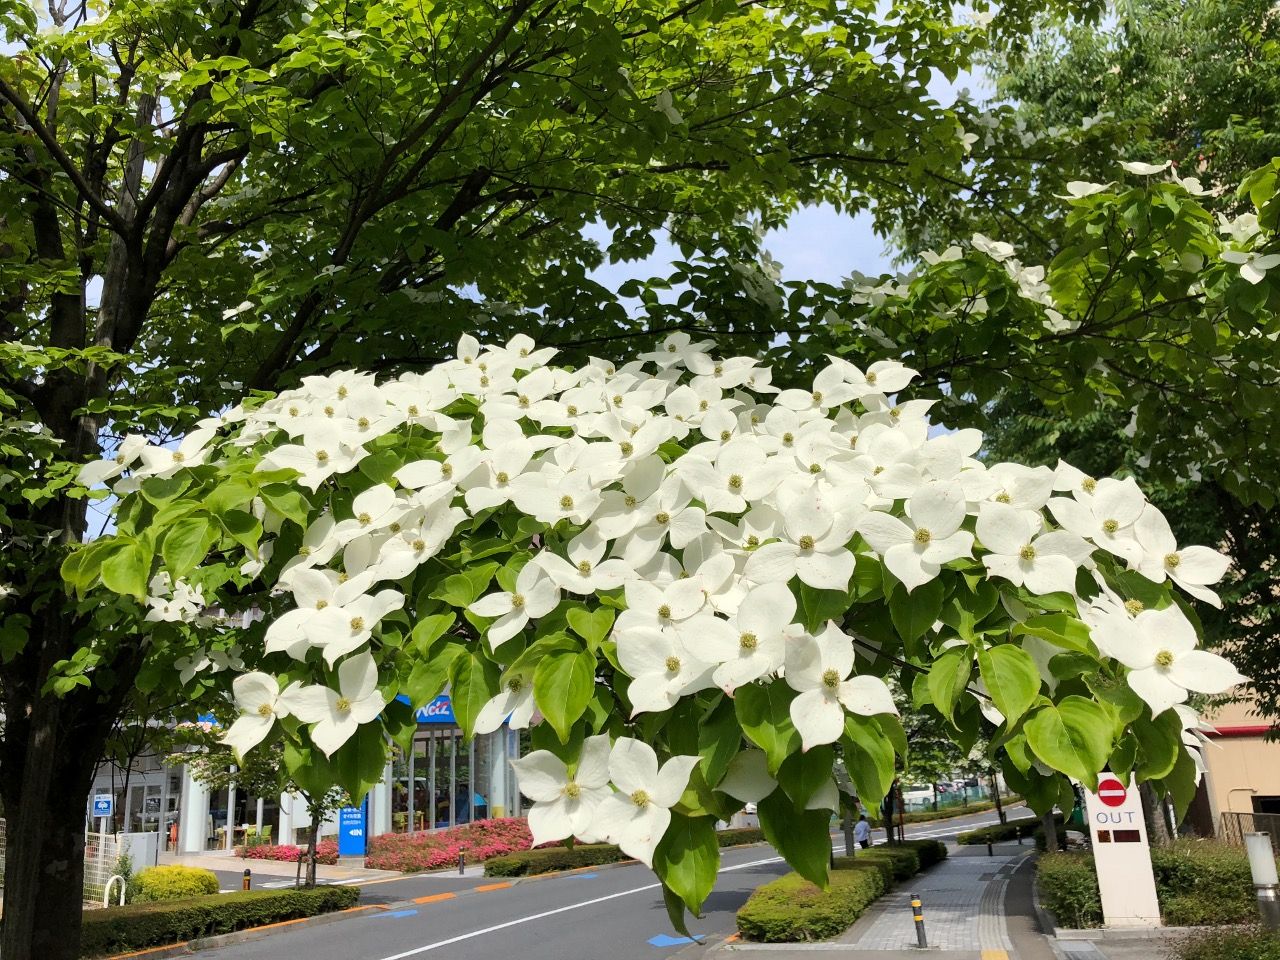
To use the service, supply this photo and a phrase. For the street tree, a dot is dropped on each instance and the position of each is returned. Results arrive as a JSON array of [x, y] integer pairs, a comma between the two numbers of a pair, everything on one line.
[[202, 199], [696, 582]]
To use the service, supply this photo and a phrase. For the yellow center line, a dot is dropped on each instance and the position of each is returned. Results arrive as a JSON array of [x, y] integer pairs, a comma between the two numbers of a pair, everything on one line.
[[491, 886], [435, 897]]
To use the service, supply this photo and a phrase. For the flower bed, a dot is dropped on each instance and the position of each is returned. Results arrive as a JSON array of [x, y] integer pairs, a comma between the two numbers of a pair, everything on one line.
[[411, 852], [326, 852], [553, 857]]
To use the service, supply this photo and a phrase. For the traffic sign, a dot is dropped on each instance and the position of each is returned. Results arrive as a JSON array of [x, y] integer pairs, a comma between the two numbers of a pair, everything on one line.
[[1112, 792], [103, 804]]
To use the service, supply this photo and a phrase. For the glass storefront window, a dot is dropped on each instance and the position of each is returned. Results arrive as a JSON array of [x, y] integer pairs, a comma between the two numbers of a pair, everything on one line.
[[401, 797]]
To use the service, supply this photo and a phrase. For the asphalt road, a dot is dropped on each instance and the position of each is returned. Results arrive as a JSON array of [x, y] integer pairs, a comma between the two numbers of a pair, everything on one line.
[[615, 912]]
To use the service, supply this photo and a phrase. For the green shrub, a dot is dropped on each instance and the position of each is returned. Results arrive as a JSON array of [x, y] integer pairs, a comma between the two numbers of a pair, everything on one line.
[[1069, 888], [1227, 944], [880, 865], [1000, 832], [793, 910], [947, 813], [173, 883], [904, 861], [928, 850], [1198, 883], [527, 863], [142, 925]]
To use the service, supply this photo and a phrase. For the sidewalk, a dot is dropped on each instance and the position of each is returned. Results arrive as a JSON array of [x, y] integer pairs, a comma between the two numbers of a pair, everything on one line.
[[228, 861]]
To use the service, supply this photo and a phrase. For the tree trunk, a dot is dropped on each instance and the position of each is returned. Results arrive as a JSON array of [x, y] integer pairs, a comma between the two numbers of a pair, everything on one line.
[[1154, 815], [846, 822], [44, 808], [1050, 827], [995, 793], [311, 851], [935, 798]]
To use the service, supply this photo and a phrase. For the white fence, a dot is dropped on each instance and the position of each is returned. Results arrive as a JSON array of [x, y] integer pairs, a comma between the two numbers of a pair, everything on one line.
[[101, 851]]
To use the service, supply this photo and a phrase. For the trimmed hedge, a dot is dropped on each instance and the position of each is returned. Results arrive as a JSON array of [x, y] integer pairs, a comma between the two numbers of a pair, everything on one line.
[[142, 925], [791, 909], [1251, 944], [947, 813], [1198, 883], [174, 882], [999, 832], [528, 863]]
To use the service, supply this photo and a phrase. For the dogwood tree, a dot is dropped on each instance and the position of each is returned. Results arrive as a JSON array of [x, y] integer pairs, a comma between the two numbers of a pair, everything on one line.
[[505, 527]]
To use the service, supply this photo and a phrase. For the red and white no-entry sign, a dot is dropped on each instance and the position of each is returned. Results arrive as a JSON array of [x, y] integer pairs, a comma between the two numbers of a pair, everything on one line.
[[1111, 791]]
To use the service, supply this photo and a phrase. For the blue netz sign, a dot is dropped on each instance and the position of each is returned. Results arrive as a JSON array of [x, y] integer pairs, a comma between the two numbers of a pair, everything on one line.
[[352, 830], [439, 710], [103, 804]]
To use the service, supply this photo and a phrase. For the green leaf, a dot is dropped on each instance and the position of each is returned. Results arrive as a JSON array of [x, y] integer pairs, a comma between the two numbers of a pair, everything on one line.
[[869, 758], [591, 625], [1058, 628], [802, 836], [161, 490], [1073, 737], [687, 858], [675, 910], [428, 677], [474, 682], [1011, 678], [287, 501], [187, 543], [464, 589], [562, 688], [719, 740], [360, 763], [127, 570], [1159, 744], [243, 528], [430, 629], [819, 606], [764, 712], [801, 774], [948, 678], [915, 613]]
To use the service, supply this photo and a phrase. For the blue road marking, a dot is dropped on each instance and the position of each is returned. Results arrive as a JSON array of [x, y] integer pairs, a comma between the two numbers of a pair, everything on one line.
[[397, 913], [666, 940], [580, 876]]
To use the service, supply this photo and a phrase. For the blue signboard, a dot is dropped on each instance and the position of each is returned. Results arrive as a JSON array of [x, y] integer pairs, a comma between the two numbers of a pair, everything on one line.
[[103, 804], [439, 710], [352, 827]]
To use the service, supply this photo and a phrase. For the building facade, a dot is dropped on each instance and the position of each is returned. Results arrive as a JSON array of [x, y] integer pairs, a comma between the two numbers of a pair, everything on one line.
[[441, 782]]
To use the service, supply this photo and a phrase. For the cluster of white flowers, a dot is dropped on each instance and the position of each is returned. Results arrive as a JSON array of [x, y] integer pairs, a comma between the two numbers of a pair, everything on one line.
[[172, 602], [701, 539]]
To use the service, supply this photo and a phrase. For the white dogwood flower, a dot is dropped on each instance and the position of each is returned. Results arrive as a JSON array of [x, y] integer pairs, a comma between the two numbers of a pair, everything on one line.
[[535, 596], [818, 528], [915, 548], [661, 668], [636, 817], [1024, 553], [564, 798], [1253, 265], [753, 642], [1191, 568], [335, 715], [259, 699], [586, 571], [819, 667]]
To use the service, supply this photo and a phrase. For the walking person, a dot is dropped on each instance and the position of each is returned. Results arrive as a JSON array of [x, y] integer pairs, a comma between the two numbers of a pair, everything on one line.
[[862, 831]]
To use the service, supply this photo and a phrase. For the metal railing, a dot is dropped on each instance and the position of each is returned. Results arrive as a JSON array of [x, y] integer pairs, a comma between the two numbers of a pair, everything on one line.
[[101, 851], [1236, 825]]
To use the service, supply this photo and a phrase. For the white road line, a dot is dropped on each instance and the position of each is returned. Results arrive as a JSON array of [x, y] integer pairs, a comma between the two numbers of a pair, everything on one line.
[[551, 913]]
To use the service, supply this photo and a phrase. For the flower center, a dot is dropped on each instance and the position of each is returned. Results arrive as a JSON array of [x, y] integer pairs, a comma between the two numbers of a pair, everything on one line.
[[923, 536], [895, 412], [671, 348], [524, 351], [524, 402], [566, 502], [342, 393], [870, 378], [662, 517], [702, 406], [413, 410], [304, 551], [806, 542], [446, 470], [572, 790], [322, 456], [817, 396], [419, 545], [394, 528], [735, 482], [357, 624], [571, 410], [718, 369], [517, 601], [831, 679], [265, 710], [748, 641], [363, 423], [1088, 484], [329, 411], [584, 567], [617, 399], [724, 436], [815, 468], [178, 456], [502, 477], [664, 612], [321, 604], [1134, 607], [293, 411], [1003, 497], [1171, 561], [343, 705], [752, 542], [484, 381], [120, 459], [788, 438], [629, 501], [515, 684], [877, 471], [1028, 552], [365, 519], [1164, 659], [640, 798], [627, 448], [673, 664]]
